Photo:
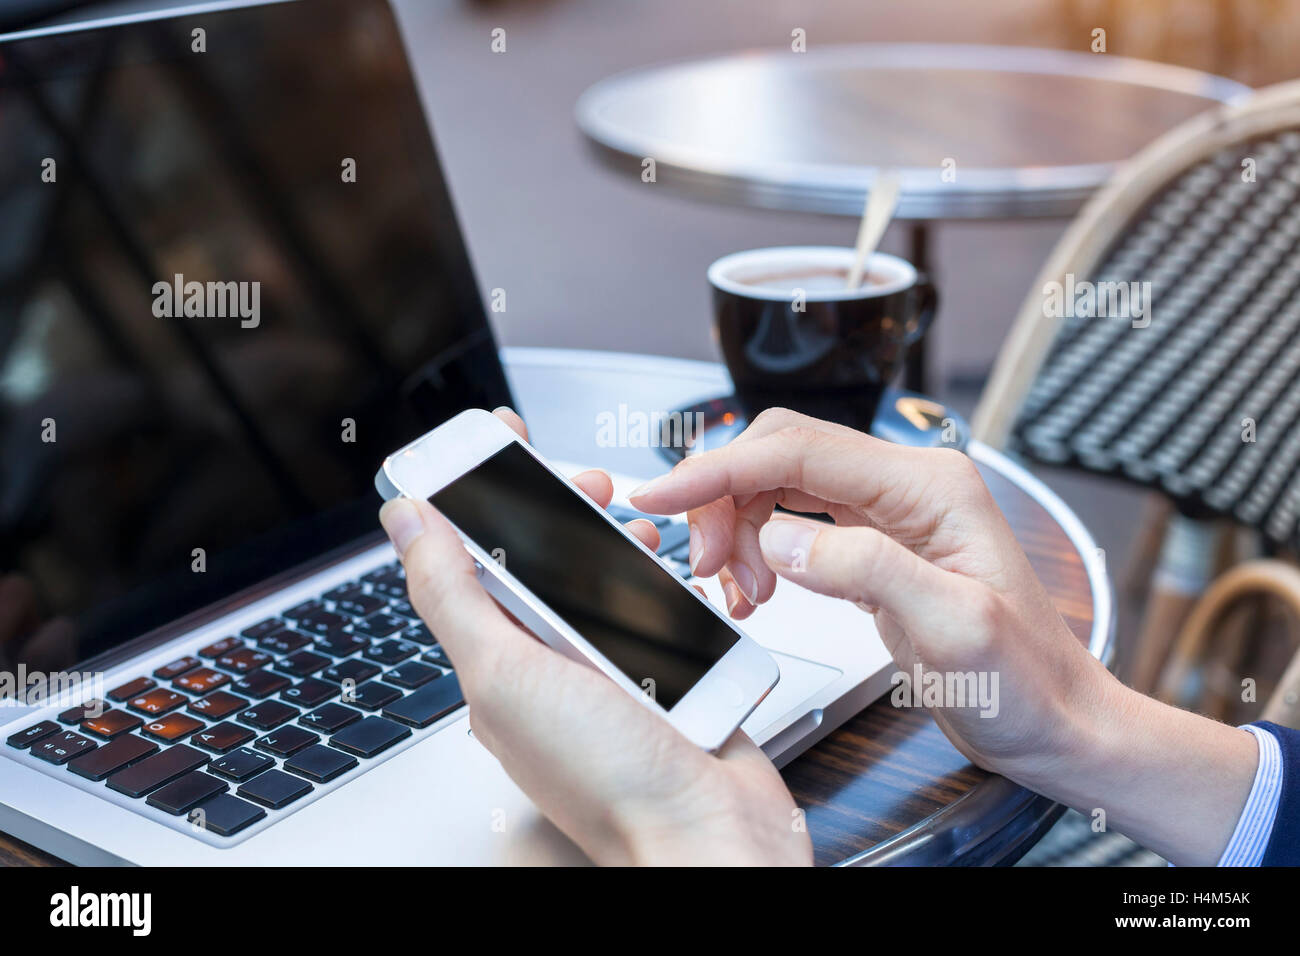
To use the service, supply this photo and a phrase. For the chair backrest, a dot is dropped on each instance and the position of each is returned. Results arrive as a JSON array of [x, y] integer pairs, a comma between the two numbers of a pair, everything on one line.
[[1119, 210], [1193, 388]]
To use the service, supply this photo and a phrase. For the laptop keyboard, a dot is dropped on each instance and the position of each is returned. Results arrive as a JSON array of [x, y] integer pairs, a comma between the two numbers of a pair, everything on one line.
[[249, 725]]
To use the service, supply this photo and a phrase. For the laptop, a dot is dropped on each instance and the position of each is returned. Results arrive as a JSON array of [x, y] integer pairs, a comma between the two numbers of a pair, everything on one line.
[[231, 281]]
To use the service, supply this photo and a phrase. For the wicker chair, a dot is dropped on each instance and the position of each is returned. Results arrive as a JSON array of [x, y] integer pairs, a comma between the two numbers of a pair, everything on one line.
[[1197, 400]]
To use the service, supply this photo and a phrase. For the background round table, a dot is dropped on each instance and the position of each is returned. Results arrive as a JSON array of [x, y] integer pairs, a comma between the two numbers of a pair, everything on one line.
[[887, 786], [1029, 132], [974, 132]]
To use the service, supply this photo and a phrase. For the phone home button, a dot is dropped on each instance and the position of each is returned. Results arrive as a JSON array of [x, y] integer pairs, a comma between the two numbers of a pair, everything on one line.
[[727, 692]]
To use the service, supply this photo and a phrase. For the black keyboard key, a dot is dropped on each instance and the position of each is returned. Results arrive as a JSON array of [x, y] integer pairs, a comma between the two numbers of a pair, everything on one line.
[[394, 589], [432, 701], [370, 736], [287, 741], [382, 625], [343, 591], [217, 706], [285, 642], [132, 688], [388, 572], [268, 715], [110, 724], [201, 680], [420, 634], [360, 605], [172, 727], [222, 737], [186, 792], [217, 648], [225, 815], [411, 674], [275, 789], [176, 668], [25, 738], [303, 663], [244, 660], [309, 693], [436, 655], [404, 609], [354, 670], [323, 623], [112, 757], [299, 611], [674, 536], [75, 715], [152, 772], [320, 763], [371, 696], [261, 684], [264, 629], [341, 645], [61, 747], [390, 652], [156, 702], [239, 765], [330, 718]]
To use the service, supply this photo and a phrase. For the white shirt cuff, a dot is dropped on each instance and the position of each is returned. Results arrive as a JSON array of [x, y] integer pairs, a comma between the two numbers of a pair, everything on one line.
[[1250, 838]]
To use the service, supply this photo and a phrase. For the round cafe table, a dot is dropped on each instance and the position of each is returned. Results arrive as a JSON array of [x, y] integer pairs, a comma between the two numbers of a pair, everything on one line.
[[975, 132]]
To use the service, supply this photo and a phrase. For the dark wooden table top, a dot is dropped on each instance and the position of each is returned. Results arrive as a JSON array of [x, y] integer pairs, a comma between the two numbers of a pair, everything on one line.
[[888, 778]]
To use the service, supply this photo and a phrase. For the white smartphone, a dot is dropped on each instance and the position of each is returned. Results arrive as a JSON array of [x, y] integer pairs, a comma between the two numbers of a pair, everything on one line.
[[581, 582]]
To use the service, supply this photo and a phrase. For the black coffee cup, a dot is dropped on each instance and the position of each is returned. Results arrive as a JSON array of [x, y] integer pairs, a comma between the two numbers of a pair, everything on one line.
[[793, 335]]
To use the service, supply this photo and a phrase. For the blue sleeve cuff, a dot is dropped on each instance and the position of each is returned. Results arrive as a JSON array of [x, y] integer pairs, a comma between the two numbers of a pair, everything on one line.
[[1284, 844], [1250, 840]]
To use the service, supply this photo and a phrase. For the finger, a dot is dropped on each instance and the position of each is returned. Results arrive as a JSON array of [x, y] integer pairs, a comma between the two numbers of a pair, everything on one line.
[[511, 418], [756, 580], [738, 605], [445, 591], [834, 467], [596, 485], [713, 527], [862, 565], [645, 532]]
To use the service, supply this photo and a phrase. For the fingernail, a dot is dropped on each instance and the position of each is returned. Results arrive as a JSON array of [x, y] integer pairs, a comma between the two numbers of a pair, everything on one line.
[[646, 488], [787, 543], [746, 581], [401, 519], [732, 594], [697, 547]]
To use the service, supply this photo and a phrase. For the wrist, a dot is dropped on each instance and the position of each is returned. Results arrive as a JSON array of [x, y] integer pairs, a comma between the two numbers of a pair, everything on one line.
[[1173, 781]]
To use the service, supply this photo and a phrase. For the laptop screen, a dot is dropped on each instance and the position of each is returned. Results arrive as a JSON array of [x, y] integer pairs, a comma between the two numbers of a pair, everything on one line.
[[231, 281]]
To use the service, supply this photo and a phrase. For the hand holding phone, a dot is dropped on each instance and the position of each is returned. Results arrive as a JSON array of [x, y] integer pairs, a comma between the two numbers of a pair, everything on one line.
[[579, 580], [605, 768]]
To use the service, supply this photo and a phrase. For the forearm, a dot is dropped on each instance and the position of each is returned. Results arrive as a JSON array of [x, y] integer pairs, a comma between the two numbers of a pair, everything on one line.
[[1173, 781]]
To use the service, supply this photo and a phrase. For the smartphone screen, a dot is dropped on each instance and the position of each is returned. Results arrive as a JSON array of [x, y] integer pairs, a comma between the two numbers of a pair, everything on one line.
[[602, 585]]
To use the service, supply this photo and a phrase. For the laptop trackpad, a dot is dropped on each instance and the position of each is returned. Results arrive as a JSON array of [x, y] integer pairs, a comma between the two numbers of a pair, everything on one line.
[[800, 680]]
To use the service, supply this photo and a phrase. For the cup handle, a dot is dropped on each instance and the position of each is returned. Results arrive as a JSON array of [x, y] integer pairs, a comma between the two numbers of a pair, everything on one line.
[[929, 304]]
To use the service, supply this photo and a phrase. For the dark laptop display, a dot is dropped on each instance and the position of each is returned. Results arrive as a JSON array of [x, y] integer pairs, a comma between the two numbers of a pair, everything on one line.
[[231, 280]]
